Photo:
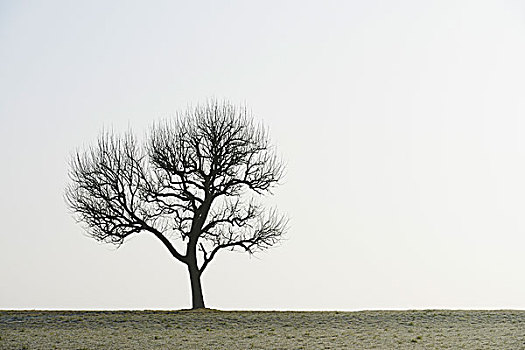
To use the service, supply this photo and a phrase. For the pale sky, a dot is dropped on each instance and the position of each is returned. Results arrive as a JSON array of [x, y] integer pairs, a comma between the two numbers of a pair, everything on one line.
[[402, 124]]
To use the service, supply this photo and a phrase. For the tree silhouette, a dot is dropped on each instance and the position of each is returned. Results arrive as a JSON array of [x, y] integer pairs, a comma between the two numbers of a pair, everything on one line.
[[193, 184]]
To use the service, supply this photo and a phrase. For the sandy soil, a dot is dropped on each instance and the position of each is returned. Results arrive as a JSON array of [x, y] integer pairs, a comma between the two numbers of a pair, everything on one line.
[[262, 330]]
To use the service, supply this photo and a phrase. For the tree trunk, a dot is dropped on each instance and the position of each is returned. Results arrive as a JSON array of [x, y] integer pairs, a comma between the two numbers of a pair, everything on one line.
[[196, 288]]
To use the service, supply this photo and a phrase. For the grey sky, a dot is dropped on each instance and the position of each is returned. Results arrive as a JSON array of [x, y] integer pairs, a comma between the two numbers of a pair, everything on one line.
[[402, 123]]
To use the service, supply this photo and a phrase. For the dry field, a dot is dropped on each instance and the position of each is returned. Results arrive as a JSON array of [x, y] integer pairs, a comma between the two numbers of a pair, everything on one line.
[[435, 329]]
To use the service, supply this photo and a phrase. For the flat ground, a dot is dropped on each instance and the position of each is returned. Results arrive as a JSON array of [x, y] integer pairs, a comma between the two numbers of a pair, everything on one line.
[[433, 329]]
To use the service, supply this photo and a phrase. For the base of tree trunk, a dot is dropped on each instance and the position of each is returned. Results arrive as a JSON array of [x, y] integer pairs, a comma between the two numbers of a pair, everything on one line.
[[202, 309]]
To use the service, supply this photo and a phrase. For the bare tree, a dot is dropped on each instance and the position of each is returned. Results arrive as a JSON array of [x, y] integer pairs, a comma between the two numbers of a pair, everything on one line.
[[194, 185]]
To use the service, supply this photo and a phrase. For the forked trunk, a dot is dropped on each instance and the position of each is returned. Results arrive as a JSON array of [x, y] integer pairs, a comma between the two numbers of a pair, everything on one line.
[[196, 288]]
